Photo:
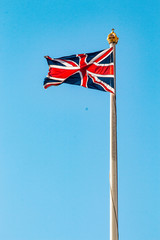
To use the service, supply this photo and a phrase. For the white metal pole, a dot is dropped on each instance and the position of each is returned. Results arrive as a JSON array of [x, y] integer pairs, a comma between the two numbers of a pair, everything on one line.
[[112, 39]]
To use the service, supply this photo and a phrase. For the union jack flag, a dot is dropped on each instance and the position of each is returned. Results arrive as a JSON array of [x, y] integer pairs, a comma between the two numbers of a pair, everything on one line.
[[90, 70]]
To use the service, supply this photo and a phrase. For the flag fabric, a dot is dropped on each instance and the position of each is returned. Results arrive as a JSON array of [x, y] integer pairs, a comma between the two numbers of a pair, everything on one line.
[[90, 70]]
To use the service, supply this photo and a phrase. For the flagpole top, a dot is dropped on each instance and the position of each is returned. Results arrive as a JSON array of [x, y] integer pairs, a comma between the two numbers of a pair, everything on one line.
[[112, 37]]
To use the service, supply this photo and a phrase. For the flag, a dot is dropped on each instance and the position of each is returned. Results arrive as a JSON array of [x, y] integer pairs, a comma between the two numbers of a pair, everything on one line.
[[90, 70]]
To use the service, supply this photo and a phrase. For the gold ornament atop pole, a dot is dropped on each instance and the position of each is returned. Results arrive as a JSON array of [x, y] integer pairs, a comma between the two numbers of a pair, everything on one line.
[[112, 37]]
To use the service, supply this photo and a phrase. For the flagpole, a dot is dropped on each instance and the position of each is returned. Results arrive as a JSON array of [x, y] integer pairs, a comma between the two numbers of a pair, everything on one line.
[[113, 40]]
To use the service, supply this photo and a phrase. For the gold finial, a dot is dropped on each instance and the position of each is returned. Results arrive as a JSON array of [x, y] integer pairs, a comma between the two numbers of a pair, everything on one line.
[[112, 37]]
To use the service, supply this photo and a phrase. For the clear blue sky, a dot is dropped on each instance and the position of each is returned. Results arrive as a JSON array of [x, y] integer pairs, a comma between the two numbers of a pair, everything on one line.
[[54, 143]]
